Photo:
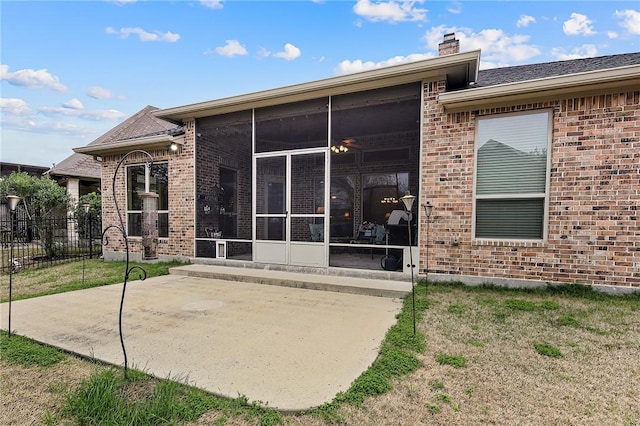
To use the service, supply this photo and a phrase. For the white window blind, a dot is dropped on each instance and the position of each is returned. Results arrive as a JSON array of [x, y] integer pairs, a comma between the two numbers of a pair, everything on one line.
[[511, 176]]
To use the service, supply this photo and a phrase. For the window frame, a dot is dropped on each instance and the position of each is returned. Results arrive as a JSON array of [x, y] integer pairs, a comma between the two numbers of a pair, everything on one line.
[[128, 212], [514, 196]]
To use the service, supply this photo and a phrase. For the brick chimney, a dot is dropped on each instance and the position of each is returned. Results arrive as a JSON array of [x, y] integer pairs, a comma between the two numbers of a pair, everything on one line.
[[449, 45]]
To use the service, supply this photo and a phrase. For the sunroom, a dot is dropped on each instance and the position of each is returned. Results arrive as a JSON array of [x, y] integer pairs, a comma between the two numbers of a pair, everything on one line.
[[312, 175]]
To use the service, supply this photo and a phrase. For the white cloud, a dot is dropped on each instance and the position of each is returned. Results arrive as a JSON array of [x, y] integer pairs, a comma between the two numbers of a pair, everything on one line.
[[630, 20], [232, 48], [32, 78], [14, 106], [348, 67], [97, 92], [122, 2], [73, 104], [264, 52], [144, 35], [391, 11], [525, 20], [455, 8], [498, 48], [97, 115], [290, 52], [212, 4], [612, 34], [584, 51], [578, 24]]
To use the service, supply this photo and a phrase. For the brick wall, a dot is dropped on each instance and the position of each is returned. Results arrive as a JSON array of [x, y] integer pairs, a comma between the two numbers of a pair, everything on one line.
[[181, 199], [593, 229]]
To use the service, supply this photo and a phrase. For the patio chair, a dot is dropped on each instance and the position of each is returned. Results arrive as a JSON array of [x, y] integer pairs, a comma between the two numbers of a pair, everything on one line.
[[317, 232]]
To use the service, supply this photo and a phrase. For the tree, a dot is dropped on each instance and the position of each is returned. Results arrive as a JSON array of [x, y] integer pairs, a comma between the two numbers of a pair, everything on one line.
[[41, 197]]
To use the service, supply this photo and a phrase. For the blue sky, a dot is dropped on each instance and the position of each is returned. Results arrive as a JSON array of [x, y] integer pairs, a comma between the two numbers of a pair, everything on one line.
[[70, 71]]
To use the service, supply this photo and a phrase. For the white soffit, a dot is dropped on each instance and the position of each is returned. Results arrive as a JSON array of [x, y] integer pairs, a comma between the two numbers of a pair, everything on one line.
[[151, 142], [583, 84]]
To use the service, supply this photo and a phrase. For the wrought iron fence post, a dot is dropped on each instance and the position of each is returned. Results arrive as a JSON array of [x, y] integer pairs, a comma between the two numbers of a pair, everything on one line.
[[90, 235]]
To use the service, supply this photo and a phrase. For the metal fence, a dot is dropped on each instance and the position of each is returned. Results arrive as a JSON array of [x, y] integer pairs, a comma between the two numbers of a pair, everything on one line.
[[46, 241]]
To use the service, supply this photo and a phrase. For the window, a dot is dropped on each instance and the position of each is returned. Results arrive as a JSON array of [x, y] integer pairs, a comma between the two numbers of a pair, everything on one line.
[[158, 183], [511, 176], [381, 195]]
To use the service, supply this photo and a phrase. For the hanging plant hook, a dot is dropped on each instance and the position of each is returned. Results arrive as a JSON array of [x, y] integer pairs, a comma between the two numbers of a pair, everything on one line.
[[122, 230]]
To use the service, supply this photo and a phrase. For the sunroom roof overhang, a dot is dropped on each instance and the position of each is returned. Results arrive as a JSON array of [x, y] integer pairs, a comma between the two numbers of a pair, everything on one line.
[[461, 68], [162, 141], [583, 84]]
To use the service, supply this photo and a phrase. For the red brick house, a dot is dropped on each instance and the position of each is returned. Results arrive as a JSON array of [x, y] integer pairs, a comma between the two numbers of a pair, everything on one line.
[[533, 172]]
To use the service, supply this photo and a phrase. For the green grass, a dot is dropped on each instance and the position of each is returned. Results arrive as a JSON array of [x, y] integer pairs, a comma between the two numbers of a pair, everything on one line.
[[106, 398], [436, 384], [443, 397], [395, 359], [18, 350], [547, 350], [457, 361], [68, 277]]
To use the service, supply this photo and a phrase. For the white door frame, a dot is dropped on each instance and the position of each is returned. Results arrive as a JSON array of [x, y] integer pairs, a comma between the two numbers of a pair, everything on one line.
[[298, 253]]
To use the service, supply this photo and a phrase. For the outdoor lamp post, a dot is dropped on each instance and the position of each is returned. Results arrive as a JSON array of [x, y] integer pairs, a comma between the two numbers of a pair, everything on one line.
[[13, 204], [408, 200], [85, 205], [428, 208]]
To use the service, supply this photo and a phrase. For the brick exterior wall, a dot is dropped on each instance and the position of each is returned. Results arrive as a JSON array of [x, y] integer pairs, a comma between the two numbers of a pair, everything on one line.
[[594, 195], [180, 242]]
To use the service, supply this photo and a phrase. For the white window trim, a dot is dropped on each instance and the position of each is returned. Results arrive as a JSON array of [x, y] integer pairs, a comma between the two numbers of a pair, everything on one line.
[[127, 211], [545, 195]]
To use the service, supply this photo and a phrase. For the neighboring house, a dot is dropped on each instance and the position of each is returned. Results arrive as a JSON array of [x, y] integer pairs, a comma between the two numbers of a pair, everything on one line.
[[6, 169], [533, 172], [79, 173]]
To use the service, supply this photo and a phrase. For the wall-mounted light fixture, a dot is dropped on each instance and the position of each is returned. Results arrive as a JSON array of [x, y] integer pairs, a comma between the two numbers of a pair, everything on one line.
[[173, 147]]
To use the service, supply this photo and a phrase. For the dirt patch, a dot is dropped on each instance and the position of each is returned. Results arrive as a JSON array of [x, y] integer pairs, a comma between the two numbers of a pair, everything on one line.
[[28, 393]]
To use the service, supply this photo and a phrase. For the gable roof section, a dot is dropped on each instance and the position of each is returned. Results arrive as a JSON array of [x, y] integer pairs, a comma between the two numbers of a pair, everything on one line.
[[495, 76], [77, 165], [143, 130], [539, 82]]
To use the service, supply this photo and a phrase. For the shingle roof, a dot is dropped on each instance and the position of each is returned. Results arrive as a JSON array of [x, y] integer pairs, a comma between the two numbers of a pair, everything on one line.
[[142, 123], [77, 165], [492, 77]]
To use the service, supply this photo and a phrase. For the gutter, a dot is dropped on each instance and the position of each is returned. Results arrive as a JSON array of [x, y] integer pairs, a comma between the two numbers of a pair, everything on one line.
[[587, 83], [152, 142], [386, 76]]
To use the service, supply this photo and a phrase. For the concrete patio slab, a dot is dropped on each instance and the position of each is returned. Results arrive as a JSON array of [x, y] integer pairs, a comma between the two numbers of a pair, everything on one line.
[[288, 348]]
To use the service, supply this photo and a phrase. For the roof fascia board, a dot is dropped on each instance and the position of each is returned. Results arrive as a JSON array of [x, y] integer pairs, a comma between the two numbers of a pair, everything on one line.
[[152, 142], [387, 76], [544, 88]]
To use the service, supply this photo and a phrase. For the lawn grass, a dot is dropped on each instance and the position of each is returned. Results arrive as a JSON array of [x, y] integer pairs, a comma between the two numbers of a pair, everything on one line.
[[567, 355], [68, 277]]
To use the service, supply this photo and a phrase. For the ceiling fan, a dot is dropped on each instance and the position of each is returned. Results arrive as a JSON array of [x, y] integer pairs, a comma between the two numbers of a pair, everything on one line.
[[345, 145]]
